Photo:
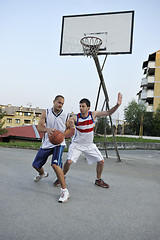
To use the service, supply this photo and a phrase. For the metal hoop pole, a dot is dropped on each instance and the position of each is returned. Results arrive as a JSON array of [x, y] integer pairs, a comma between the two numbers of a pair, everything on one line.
[[100, 85], [104, 62], [105, 148], [95, 57]]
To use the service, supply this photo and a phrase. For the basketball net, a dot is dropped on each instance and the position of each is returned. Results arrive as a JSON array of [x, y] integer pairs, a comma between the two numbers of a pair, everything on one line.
[[91, 45]]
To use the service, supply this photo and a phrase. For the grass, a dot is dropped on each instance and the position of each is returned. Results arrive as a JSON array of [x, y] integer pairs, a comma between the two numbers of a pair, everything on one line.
[[27, 144], [36, 145]]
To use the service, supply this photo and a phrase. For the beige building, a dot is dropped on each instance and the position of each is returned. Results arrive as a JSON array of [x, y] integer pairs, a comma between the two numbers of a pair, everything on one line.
[[19, 116], [150, 84]]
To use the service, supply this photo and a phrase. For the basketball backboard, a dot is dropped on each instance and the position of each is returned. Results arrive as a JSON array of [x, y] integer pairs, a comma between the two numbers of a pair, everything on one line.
[[114, 28]]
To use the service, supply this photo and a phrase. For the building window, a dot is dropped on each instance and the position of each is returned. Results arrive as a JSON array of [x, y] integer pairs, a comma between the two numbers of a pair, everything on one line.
[[27, 121], [27, 114], [19, 113], [9, 120], [17, 121]]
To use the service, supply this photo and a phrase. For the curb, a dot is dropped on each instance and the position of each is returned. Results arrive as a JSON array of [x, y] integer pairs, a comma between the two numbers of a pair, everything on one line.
[[125, 145], [129, 145]]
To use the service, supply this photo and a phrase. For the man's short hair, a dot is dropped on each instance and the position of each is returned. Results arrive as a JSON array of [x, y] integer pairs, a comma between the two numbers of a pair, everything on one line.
[[85, 100], [58, 96]]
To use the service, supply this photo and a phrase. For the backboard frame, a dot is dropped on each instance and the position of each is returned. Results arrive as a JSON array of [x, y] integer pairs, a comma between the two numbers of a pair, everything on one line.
[[126, 18]]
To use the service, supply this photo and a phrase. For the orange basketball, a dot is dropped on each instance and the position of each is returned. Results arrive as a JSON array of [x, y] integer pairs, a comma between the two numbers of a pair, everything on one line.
[[56, 137]]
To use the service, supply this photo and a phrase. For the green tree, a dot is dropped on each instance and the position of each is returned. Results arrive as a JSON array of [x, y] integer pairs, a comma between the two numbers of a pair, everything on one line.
[[101, 123], [148, 124], [132, 115], [156, 122], [2, 130]]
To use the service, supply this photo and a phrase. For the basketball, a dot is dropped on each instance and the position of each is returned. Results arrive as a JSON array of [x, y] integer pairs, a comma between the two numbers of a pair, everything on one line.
[[56, 137]]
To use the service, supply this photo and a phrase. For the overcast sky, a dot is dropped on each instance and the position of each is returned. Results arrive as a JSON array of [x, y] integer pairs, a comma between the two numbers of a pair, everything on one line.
[[33, 72]]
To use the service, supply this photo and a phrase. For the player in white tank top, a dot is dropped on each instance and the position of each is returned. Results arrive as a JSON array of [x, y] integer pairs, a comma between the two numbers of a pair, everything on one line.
[[54, 121], [50, 120]]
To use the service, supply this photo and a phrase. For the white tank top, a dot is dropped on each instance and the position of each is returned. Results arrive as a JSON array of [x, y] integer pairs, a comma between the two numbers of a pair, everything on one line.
[[54, 121], [84, 132]]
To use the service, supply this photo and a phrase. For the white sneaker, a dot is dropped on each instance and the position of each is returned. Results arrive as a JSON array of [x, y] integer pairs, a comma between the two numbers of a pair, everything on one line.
[[38, 177], [64, 196]]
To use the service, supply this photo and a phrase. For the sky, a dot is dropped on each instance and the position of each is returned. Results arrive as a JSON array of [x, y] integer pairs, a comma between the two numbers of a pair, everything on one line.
[[32, 72]]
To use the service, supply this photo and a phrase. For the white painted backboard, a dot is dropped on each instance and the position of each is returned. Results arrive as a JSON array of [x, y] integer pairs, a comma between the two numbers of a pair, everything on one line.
[[115, 29]]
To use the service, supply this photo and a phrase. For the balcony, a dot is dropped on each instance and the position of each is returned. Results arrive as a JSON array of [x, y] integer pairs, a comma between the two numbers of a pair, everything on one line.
[[150, 72], [147, 94], [149, 108], [147, 81], [150, 79], [141, 102], [144, 82], [150, 93], [144, 95], [151, 64]]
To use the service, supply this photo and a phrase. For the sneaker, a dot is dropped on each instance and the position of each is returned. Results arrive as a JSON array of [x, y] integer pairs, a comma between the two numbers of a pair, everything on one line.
[[101, 183], [56, 183], [64, 196], [38, 177]]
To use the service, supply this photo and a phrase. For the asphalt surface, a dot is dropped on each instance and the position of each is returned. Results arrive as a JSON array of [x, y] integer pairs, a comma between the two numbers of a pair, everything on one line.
[[128, 210]]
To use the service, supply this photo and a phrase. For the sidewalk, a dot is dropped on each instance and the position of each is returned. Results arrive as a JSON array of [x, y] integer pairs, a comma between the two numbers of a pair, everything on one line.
[[128, 210]]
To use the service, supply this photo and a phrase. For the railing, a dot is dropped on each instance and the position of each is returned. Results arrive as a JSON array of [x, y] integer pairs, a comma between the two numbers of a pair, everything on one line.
[[147, 94], [144, 82], [151, 64], [149, 108]]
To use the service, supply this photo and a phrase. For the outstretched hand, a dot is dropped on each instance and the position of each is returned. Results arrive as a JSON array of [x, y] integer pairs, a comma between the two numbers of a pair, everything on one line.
[[119, 101]]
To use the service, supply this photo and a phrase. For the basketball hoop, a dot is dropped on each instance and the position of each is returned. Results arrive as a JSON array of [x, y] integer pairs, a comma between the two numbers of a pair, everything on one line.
[[91, 45]]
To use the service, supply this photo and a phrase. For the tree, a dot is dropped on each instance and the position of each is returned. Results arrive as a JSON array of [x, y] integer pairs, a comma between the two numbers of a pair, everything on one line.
[[148, 124], [132, 115], [2, 130], [101, 123], [156, 122]]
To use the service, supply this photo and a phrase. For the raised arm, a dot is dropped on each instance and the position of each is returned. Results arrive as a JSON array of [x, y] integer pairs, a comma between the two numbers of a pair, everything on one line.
[[41, 124], [110, 111]]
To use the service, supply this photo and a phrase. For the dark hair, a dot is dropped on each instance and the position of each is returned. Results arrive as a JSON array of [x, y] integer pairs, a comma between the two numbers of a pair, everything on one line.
[[85, 100], [58, 96]]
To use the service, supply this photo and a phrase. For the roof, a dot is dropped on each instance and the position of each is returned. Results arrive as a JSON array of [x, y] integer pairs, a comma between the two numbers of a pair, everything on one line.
[[28, 131], [10, 110], [150, 58]]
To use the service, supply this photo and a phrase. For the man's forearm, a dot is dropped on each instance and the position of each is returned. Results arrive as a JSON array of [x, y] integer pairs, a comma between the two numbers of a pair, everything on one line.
[[105, 113], [42, 129], [112, 110]]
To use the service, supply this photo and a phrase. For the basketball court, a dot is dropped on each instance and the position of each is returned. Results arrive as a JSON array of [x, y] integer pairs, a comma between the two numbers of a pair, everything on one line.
[[129, 209]]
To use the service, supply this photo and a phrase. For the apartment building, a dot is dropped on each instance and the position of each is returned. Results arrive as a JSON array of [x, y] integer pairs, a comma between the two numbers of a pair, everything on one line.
[[150, 84], [20, 116]]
